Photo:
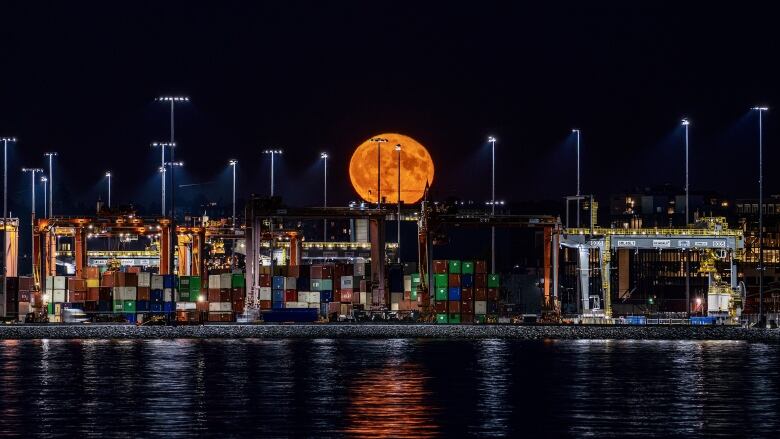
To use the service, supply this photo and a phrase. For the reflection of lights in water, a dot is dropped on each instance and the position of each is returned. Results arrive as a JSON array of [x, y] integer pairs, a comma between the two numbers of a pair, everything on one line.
[[493, 377], [390, 402]]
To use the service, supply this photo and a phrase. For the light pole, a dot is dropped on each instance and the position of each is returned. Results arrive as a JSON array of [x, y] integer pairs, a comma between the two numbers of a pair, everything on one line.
[[492, 140], [32, 172], [233, 163], [379, 141], [44, 180], [761, 111], [577, 132], [398, 217], [172, 100], [272, 152], [108, 176], [324, 157], [686, 124], [51, 156], [5, 201], [162, 146]]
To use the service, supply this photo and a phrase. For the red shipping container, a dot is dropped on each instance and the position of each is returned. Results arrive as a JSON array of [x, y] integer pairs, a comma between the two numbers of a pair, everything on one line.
[[25, 283], [265, 280], [294, 271], [202, 306], [77, 284], [25, 296], [93, 293], [466, 307], [454, 280], [92, 272], [108, 280], [480, 280], [131, 279], [467, 294], [119, 279], [453, 307], [290, 296], [466, 318], [78, 296], [480, 294], [265, 304], [440, 307], [407, 295], [143, 293], [215, 316], [480, 267], [238, 307], [316, 271], [492, 294], [213, 295], [440, 267], [377, 299], [237, 293], [346, 295], [133, 269], [334, 308], [327, 271], [363, 286], [224, 295]]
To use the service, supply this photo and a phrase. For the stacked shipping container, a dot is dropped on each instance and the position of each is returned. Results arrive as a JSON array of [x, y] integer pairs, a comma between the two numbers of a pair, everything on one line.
[[464, 292]]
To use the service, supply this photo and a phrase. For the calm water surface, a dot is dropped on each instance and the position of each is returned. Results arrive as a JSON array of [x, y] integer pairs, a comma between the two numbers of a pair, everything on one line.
[[389, 388]]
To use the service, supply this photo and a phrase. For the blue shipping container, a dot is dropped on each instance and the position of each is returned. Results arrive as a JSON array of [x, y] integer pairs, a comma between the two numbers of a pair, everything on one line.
[[157, 307], [636, 320], [326, 296], [302, 283], [169, 281], [168, 307], [467, 280], [105, 306], [277, 305], [277, 295], [291, 315], [142, 305], [156, 296], [130, 317], [278, 283], [454, 293], [702, 321]]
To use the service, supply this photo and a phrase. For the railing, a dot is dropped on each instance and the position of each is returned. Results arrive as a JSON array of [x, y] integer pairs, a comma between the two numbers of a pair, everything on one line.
[[654, 231]]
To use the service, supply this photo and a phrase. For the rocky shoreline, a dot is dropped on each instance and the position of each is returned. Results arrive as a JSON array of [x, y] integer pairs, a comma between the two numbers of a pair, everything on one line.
[[383, 331]]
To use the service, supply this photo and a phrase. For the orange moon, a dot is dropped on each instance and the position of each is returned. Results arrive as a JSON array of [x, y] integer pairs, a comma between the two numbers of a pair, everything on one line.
[[416, 169]]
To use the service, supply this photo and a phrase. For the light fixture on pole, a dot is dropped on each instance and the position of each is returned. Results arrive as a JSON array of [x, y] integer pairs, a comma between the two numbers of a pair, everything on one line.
[[272, 152], [492, 140], [379, 141], [398, 214], [5, 141], [233, 163], [32, 172], [172, 100], [324, 157], [576, 131], [761, 111], [44, 180], [108, 176], [162, 146], [51, 156], [686, 124]]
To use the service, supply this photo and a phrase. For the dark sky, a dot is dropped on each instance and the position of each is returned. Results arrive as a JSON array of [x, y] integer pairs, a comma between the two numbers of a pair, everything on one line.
[[81, 79]]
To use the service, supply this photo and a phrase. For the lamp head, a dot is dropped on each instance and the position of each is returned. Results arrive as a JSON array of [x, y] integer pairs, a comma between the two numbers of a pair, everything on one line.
[[686, 122], [233, 162], [491, 139], [761, 108], [323, 155]]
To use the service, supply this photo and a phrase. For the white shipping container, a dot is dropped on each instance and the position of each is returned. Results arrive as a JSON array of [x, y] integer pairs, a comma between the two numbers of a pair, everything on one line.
[[167, 295], [58, 296], [60, 282], [264, 293], [346, 282], [396, 298], [144, 279], [157, 282], [314, 305], [314, 297], [296, 305], [130, 293], [303, 296], [290, 283], [225, 280], [480, 307], [360, 269], [47, 296], [407, 283], [214, 281], [364, 297], [225, 306], [214, 306], [186, 306], [49, 283], [394, 307]]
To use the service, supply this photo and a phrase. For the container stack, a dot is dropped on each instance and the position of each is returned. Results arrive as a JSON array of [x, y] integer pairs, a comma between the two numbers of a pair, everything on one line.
[[219, 298], [462, 291]]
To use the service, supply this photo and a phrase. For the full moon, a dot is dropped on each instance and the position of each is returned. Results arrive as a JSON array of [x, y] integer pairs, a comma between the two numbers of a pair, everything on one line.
[[416, 169]]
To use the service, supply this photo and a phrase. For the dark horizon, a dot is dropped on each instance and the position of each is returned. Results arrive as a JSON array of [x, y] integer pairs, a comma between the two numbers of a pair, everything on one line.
[[310, 77]]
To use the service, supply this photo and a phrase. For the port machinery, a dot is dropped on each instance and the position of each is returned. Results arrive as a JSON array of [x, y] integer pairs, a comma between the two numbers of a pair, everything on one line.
[[710, 237]]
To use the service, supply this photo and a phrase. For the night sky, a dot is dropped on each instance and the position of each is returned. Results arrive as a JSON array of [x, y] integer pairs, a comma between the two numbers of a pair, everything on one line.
[[324, 76]]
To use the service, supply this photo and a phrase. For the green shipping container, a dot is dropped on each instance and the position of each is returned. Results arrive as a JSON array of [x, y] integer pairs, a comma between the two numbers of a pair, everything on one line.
[[195, 285], [467, 267], [119, 306], [184, 297], [440, 280], [454, 318], [128, 306], [480, 318], [441, 318], [238, 280], [493, 281], [413, 297], [316, 285], [415, 279], [326, 285], [50, 308], [441, 293], [454, 267], [184, 284]]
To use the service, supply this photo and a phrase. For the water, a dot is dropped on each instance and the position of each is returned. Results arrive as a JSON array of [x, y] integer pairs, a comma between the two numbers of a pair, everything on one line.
[[390, 388]]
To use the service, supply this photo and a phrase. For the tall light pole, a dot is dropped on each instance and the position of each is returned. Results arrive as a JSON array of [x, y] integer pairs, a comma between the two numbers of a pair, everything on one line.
[[51, 156], [686, 124], [324, 157], [492, 140], [32, 172], [108, 176], [761, 111], [398, 217], [577, 132], [379, 141], [272, 153], [172, 100], [44, 180], [162, 146], [233, 163], [5, 201]]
